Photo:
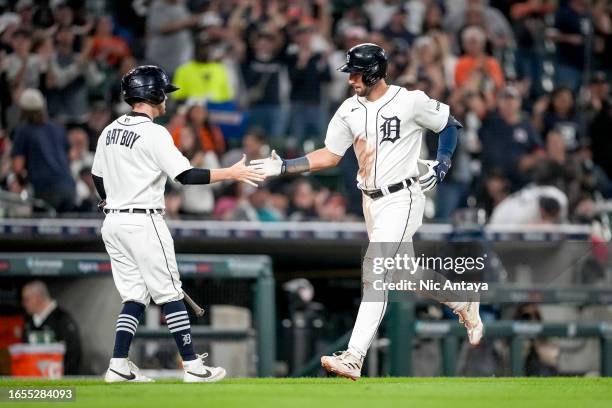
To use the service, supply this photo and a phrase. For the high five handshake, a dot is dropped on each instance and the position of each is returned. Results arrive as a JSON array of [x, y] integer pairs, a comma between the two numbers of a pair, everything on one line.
[[274, 166]]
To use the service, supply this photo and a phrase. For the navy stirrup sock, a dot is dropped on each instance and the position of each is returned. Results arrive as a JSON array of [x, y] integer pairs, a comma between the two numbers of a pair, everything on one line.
[[127, 322], [178, 324]]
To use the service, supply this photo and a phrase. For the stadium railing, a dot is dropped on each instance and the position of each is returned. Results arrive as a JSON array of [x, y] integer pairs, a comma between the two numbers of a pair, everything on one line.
[[252, 267]]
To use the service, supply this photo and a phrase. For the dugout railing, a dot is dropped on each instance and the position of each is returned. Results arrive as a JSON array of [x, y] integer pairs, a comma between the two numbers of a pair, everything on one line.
[[255, 268], [403, 329]]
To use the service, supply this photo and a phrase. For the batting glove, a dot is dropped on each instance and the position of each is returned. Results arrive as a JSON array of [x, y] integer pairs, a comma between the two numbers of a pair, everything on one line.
[[270, 166], [436, 171]]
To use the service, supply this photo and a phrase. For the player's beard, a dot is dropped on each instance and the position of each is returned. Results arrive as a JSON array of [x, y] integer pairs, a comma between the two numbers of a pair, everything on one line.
[[365, 91]]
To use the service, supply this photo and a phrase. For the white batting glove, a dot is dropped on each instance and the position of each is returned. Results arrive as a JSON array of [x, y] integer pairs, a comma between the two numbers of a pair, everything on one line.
[[428, 180], [270, 166]]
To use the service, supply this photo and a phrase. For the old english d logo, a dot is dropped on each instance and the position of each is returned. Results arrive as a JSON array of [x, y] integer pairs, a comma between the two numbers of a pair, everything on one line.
[[390, 129]]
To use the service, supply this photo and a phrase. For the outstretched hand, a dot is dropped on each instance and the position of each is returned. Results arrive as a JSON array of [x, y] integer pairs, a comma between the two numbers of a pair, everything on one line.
[[270, 166], [241, 172]]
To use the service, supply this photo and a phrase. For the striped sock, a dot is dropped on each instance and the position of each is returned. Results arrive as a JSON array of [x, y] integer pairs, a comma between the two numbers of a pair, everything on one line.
[[178, 324], [127, 322]]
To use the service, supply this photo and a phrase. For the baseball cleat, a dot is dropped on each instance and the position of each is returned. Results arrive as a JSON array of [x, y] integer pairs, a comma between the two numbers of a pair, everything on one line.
[[470, 318], [343, 363], [196, 371], [123, 370]]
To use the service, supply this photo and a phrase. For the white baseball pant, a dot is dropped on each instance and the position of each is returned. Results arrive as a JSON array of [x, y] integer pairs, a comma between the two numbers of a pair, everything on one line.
[[142, 256], [393, 218]]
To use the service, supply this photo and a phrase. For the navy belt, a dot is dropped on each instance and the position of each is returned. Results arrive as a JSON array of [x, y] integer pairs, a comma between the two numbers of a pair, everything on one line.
[[135, 211], [392, 188]]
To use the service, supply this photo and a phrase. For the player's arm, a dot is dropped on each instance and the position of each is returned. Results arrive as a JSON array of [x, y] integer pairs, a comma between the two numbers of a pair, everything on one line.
[[337, 140], [447, 143], [237, 172], [276, 166], [435, 116]]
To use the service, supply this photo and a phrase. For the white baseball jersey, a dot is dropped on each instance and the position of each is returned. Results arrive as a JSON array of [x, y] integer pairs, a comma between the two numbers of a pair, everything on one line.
[[387, 136], [135, 156], [386, 133]]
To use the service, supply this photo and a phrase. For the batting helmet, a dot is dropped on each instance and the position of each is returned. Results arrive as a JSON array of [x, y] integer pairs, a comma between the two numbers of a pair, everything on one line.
[[147, 83], [368, 59]]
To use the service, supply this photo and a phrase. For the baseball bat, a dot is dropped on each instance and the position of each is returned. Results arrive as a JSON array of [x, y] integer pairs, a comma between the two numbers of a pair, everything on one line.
[[199, 311]]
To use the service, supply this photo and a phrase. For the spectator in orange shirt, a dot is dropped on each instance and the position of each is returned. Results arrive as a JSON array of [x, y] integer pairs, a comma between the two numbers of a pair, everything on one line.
[[211, 138], [105, 45], [476, 61]]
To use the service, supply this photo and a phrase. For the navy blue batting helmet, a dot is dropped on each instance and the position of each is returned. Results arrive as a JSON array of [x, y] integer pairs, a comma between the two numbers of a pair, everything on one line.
[[147, 83], [368, 59]]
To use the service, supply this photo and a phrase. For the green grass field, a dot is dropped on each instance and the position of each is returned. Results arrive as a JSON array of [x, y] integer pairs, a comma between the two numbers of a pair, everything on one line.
[[332, 392]]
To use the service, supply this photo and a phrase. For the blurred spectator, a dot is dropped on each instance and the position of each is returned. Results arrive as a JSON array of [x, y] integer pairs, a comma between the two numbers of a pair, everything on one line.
[[108, 47], [72, 73], [541, 354], [396, 29], [572, 23], [427, 61], [339, 88], [5, 152], [528, 19], [475, 62], [509, 141], [209, 135], [308, 71], [79, 155], [602, 16], [86, 195], [599, 92], [303, 200], [255, 206], [197, 199], [600, 137], [254, 145], [5, 89], [203, 78], [262, 66], [491, 20], [45, 316], [119, 106], [169, 39], [40, 148], [243, 58], [173, 202], [22, 67], [496, 189], [99, 117], [532, 204], [550, 211], [381, 12], [228, 200], [333, 208], [433, 18], [353, 17], [130, 17], [561, 115]]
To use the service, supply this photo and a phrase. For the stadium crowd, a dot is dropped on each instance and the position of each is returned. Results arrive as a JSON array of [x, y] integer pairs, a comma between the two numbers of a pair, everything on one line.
[[529, 79]]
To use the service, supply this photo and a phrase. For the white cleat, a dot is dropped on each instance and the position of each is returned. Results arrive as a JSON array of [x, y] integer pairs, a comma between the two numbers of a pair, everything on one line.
[[123, 370], [343, 363], [196, 371], [470, 318]]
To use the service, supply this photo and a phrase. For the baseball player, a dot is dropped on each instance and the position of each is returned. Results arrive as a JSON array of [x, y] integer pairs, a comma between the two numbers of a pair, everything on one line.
[[133, 159], [384, 123]]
